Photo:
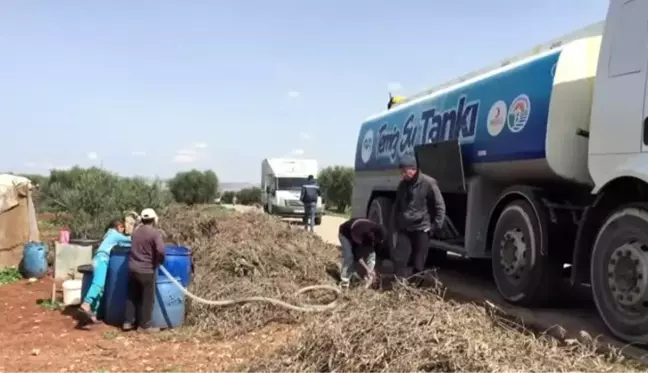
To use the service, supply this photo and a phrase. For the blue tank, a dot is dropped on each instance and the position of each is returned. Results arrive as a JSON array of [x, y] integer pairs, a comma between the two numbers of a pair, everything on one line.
[[169, 307], [34, 263], [178, 261], [116, 287], [497, 118]]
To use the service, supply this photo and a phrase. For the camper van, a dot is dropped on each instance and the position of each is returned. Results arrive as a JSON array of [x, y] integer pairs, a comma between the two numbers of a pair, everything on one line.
[[281, 182]]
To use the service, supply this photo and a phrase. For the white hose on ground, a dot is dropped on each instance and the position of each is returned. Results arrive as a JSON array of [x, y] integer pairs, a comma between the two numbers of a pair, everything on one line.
[[276, 302]]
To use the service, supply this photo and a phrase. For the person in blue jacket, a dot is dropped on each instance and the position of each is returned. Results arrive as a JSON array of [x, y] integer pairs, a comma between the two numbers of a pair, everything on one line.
[[114, 236], [309, 194]]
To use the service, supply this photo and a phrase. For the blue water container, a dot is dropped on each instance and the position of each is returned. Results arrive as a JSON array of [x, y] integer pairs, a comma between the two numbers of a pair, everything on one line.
[[116, 287], [169, 307], [178, 261], [34, 263]]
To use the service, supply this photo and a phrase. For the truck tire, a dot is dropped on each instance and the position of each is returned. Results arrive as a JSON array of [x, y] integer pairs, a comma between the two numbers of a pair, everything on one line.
[[619, 273], [379, 212], [436, 257], [524, 272]]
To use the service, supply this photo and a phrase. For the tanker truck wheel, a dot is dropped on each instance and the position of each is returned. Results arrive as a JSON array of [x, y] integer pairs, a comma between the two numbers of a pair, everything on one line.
[[378, 212], [619, 273], [523, 271]]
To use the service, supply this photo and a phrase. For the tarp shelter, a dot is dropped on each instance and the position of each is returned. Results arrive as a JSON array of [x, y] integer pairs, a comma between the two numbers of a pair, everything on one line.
[[18, 223]]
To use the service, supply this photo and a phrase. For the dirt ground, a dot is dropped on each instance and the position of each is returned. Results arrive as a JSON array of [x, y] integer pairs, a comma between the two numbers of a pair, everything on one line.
[[33, 338]]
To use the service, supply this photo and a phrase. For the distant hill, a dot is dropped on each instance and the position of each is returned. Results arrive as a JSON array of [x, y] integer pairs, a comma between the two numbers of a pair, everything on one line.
[[236, 186]]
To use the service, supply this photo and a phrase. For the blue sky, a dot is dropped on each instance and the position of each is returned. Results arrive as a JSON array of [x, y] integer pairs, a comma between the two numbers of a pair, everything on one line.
[[152, 87]]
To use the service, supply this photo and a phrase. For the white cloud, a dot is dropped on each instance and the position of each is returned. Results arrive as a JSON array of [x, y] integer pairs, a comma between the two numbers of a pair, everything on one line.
[[30, 164], [298, 152], [200, 145], [92, 156], [293, 94], [138, 153], [185, 156], [394, 86], [186, 152], [305, 136]]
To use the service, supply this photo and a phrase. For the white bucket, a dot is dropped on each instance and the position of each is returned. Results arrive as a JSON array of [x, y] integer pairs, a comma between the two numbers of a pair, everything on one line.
[[72, 292]]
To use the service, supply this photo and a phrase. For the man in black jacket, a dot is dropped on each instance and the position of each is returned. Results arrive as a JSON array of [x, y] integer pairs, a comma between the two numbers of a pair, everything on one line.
[[360, 239], [419, 210]]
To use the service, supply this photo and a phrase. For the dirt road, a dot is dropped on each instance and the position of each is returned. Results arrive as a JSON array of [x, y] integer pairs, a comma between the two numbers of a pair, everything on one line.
[[328, 230]]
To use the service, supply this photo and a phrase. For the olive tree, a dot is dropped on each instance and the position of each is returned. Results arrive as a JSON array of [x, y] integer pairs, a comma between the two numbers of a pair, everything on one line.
[[337, 185], [194, 187], [91, 197]]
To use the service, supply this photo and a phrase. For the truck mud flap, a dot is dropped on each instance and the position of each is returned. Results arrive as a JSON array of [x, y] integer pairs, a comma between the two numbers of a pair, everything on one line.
[[444, 162]]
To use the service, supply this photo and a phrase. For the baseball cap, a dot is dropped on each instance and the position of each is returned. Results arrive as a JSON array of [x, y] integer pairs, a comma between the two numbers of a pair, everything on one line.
[[148, 214], [407, 161]]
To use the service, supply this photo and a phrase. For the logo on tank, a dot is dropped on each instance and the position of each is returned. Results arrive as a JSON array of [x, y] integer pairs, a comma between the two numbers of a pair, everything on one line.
[[518, 113], [496, 119], [366, 148]]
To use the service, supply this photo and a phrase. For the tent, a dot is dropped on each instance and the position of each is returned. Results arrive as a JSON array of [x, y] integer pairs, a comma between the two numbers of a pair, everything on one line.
[[18, 223]]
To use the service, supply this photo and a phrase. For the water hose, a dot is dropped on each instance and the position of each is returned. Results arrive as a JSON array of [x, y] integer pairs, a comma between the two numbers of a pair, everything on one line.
[[275, 302]]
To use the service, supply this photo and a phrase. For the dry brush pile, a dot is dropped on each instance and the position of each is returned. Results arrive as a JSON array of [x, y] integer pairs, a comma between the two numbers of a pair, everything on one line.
[[247, 254], [403, 330], [410, 330]]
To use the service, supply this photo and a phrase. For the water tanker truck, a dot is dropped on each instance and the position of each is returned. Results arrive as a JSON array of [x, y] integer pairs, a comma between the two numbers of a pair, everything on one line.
[[543, 163]]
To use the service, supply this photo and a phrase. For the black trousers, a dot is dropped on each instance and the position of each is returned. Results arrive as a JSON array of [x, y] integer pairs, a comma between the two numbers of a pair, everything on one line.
[[140, 298], [409, 255]]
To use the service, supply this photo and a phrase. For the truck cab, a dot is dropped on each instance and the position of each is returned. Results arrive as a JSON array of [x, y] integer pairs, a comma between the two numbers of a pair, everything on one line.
[[618, 141], [611, 251], [281, 183]]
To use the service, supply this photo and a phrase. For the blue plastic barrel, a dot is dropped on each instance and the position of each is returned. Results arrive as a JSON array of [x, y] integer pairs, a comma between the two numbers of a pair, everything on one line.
[[169, 307], [34, 260], [116, 287], [178, 261]]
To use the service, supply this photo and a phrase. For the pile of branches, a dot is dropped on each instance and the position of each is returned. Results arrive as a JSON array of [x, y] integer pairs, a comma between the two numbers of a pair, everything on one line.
[[407, 329], [411, 330], [247, 254]]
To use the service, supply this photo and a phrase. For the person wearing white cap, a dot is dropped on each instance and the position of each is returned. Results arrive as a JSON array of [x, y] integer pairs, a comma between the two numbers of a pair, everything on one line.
[[146, 255]]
